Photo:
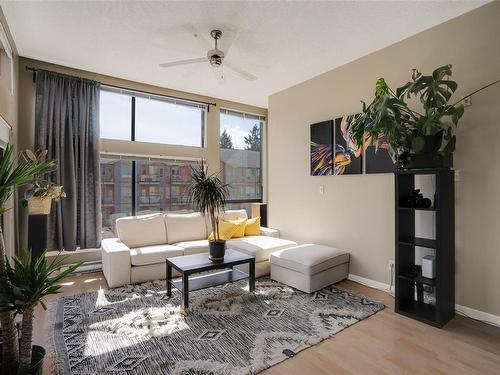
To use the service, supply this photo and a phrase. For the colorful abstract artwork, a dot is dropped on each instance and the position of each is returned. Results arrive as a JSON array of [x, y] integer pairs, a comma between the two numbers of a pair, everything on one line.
[[322, 148], [348, 157], [377, 159]]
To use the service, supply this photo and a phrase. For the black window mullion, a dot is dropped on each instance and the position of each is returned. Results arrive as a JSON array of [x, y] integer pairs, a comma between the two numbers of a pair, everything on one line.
[[132, 136]]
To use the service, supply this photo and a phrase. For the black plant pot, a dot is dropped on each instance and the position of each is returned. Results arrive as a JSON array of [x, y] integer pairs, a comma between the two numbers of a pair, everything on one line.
[[425, 161], [37, 357], [216, 249]]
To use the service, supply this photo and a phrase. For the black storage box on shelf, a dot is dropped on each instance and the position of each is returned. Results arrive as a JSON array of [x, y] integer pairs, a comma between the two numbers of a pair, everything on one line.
[[425, 161]]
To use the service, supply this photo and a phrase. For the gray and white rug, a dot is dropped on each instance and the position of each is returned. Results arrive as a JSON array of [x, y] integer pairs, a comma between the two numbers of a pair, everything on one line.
[[139, 330]]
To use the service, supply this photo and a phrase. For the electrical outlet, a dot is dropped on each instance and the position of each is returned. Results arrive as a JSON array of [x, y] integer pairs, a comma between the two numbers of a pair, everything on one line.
[[391, 264], [467, 102], [321, 189]]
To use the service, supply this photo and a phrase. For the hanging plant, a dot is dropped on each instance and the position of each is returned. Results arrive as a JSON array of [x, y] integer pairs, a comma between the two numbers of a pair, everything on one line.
[[427, 127]]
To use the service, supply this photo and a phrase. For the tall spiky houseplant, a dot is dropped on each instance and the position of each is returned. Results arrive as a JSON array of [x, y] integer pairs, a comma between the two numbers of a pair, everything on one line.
[[209, 194], [30, 280], [14, 172]]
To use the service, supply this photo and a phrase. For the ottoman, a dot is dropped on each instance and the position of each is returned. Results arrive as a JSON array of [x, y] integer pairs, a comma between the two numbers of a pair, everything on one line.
[[309, 267]]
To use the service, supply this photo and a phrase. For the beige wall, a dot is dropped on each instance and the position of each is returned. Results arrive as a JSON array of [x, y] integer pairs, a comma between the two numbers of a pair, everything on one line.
[[211, 152], [8, 111], [357, 212]]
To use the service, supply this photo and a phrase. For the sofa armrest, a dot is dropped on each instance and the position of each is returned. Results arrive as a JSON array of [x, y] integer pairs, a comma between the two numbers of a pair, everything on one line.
[[269, 232], [115, 262]]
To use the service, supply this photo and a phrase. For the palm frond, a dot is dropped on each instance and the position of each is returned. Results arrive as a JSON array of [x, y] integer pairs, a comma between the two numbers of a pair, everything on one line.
[[208, 194]]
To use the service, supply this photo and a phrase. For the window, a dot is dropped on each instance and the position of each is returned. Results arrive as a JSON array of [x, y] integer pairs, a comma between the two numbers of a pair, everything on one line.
[[156, 185], [115, 116], [158, 121], [241, 157], [116, 192], [132, 116]]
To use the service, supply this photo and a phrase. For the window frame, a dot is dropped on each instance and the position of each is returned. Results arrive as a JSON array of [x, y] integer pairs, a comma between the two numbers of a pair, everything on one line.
[[262, 119]]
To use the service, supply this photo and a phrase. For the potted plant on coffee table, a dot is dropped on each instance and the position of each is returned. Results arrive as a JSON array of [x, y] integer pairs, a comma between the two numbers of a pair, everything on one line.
[[416, 121], [209, 196]]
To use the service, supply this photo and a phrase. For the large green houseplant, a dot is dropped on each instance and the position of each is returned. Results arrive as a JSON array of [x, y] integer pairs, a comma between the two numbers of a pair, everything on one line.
[[415, 118], [16, 172], [209, 194]]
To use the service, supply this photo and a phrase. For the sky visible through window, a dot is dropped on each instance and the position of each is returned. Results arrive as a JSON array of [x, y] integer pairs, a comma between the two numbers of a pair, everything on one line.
[[237, 128], [156, 121]]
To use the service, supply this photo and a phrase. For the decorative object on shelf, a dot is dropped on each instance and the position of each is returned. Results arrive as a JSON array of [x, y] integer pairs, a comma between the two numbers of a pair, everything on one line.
[[14, 172], [415, 138], [209, 196], [429, 266], [348, 155], [321, 145], [416, 200]]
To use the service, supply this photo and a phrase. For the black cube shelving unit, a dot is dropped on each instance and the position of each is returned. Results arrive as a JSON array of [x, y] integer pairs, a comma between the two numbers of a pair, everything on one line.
[[408, 287]]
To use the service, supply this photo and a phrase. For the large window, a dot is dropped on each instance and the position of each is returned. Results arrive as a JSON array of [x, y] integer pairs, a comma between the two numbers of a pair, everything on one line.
[[133, 116], [136, 186], [241, 156]]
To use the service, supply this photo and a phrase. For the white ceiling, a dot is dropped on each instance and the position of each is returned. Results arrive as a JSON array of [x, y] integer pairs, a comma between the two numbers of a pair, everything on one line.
[[282, 43]]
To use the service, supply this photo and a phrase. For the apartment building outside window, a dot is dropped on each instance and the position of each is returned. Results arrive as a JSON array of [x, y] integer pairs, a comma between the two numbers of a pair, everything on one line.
[[241, 136]]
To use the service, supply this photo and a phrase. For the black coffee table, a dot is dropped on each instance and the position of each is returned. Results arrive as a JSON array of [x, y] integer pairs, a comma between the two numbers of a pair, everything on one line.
[[189, 265]]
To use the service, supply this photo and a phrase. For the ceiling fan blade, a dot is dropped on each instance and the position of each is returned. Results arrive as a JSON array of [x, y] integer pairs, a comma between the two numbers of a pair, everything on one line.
[[242, 73], [183, 62], [229, 35]]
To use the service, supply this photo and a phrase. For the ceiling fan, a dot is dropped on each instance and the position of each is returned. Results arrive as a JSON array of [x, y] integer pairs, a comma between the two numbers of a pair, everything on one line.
[[215, 57]]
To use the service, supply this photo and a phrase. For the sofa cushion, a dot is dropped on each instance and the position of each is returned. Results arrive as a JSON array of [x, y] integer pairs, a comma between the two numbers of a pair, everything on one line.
[[146, 230], [309, 259], [259, 246], [142, 256], [194, 247], [234, 214], [185, 227]]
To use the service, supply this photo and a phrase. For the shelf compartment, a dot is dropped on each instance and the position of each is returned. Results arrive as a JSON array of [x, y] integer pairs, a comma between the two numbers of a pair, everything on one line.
[[421, 311], [417, 209], [211, 279], [418, 279], [418, 241]]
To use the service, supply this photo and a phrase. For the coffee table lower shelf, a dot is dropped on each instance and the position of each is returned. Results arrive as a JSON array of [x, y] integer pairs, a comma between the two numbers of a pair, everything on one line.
[[210, 279]]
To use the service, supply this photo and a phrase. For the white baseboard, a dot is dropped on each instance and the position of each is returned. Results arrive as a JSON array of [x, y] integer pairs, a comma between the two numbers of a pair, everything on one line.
[[462, 310], [478, 315], [371, 283]]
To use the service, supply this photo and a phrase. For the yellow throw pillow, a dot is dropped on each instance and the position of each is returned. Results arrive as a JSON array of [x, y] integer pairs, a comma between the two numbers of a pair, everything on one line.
[[240, 227], [253, 227], [226, 230]]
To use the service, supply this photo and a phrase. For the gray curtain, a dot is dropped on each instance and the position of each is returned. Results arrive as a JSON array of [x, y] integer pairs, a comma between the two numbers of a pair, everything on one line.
[[67, 125]]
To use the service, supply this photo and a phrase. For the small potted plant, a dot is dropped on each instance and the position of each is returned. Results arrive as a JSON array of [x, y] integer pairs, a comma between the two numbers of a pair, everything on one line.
[[209, 194], [38, 198], [420, 135]]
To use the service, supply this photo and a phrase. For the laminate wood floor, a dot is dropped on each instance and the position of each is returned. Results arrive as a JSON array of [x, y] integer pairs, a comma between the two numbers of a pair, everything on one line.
[[385, 343]]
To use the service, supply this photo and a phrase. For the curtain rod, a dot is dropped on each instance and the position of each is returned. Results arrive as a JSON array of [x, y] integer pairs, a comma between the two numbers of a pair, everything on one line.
[[208, 104]]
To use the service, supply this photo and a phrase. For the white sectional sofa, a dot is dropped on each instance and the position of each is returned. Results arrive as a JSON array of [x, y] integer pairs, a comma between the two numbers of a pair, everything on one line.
[[144, 242]]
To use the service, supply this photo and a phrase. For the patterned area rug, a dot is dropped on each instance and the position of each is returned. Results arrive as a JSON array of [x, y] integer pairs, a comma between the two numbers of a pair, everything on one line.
[[137, 329]]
